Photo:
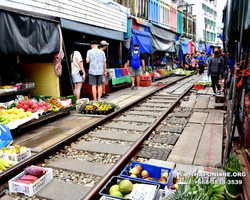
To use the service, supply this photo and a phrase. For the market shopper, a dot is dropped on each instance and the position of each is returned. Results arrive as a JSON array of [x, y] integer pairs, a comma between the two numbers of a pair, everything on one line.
[[215, 70], [136, 59], [175, 62], [97, 68], [193, 62], [103, 47], [202, 60], [77, 69]]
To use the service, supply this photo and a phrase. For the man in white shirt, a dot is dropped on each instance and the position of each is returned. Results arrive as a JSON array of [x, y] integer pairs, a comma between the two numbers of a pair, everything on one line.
[[97, 68]]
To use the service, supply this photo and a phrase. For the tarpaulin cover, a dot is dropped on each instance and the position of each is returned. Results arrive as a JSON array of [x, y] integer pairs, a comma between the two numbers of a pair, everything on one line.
[[162, 40], [143, 39], [24, 35], [92, 30], [185, 47], [163, 33]]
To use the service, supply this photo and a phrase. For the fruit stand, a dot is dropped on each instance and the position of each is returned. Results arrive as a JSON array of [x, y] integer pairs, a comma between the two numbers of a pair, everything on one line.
[[24, 112]]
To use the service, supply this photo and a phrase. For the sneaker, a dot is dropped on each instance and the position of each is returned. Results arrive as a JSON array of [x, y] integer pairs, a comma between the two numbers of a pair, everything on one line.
[[107, 95], [138, 88], [213, 95], [132, 87], [104, 96]]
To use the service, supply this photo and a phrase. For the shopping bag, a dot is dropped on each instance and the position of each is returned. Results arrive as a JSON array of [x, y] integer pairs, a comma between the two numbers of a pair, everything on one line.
[[5, 136]]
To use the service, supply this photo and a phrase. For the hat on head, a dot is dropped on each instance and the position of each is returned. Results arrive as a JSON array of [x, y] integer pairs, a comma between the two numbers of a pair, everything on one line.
[[104, 43], [136, 45], [93, 42]]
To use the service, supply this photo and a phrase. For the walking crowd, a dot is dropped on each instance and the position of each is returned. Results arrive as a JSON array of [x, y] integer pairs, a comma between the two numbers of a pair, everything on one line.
[[96, 58]]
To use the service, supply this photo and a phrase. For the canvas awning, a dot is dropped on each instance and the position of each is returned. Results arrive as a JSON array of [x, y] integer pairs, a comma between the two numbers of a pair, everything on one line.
[[25, 34], [92, 30], [143, 39], [162, 40]]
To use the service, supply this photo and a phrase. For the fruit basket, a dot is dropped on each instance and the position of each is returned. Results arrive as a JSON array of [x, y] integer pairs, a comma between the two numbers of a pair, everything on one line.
[[115, 180], [105, 112], [17, 156], [30, 189], [155, 173]]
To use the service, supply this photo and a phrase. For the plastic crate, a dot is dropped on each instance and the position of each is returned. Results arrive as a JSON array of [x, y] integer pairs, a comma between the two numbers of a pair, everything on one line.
[[154, 171], [105, 112], [118, 73], [199, 87], [18, 157], [31, 189], [145, 83], [116, 180]]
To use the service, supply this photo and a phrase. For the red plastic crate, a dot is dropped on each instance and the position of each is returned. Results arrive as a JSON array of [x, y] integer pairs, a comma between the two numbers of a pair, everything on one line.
[[199, 87]]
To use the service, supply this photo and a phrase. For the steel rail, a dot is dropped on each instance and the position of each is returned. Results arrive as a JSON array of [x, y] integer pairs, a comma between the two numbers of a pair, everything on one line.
[[94, 192], [14, 170]]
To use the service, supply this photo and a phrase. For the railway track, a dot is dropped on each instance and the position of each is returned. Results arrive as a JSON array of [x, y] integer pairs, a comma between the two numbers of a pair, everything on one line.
[[86, 160]]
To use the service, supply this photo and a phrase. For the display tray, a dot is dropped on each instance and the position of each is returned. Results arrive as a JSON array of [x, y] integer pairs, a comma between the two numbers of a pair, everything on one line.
[[116, 180], [18, 91], [46, 116], [161, 77], [98, 112], [199, 87]]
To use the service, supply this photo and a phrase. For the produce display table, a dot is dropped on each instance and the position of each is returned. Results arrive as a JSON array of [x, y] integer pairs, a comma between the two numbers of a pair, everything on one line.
[[45, 116], [161, 77], [20, 91], [120, 80]]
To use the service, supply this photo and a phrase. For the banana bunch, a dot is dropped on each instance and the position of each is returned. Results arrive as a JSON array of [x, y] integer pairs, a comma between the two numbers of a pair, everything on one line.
[[5, 163], [104, 107], [4, 120], [6, 87], [15, 114]]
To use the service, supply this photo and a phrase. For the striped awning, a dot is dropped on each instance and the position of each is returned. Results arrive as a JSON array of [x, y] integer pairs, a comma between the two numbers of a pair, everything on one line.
[[142, 22]]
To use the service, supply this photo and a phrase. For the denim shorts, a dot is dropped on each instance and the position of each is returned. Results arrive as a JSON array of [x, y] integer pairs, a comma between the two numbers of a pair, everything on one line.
[[77, 78]]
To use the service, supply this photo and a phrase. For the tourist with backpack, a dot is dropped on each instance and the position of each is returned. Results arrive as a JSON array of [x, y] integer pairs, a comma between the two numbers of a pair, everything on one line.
[[136, 59]]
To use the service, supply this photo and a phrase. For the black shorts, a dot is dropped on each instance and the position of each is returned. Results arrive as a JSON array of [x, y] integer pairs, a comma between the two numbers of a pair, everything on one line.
[[95, 80]]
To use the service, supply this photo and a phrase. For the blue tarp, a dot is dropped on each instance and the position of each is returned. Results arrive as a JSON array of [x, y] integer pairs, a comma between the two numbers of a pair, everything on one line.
[[180, 55], [143, 39], [185, 47]]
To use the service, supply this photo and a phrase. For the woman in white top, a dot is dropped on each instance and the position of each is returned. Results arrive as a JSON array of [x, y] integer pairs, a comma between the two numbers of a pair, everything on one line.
[[77, 70]]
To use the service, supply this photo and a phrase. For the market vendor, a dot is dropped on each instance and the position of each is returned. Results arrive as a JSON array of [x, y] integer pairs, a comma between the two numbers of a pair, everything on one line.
[[136, 59]]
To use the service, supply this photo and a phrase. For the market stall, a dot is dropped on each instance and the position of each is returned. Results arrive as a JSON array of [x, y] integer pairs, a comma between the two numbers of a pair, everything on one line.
[[23, 111]]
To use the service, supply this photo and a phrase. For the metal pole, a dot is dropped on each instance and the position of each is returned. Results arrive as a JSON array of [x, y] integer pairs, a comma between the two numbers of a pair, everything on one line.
[[70, 78], [187, 19]]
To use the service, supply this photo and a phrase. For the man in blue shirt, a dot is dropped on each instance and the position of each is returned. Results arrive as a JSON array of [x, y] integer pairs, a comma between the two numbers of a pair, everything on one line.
[[202, 61]]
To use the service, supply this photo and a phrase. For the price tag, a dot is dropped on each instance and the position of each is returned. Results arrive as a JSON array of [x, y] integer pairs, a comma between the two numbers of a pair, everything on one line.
[[143, 192]]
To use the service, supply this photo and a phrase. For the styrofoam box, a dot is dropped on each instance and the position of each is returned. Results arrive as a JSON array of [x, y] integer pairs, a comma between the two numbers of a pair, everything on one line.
[[18, 157], [111, 73], [31, 189]]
